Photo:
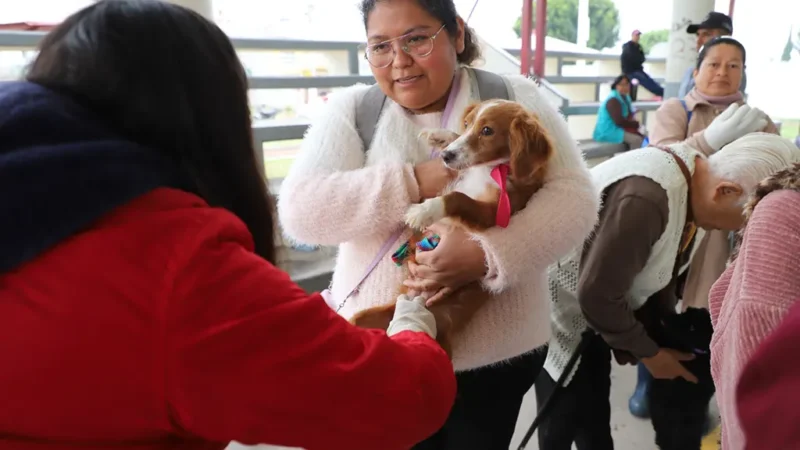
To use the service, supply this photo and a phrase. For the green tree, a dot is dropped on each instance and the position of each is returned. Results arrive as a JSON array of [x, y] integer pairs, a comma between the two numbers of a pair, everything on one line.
[[562, 22], [651, 38]]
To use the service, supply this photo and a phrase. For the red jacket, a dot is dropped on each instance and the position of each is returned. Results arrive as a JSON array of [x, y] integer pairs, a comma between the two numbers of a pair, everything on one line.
[[768, 395], [159, 328]]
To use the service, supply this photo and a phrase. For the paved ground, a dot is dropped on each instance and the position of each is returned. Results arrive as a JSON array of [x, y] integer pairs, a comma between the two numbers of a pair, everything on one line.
[[629, 433]]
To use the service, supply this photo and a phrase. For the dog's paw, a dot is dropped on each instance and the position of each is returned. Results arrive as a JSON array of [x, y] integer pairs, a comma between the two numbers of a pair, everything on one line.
[[437, 137], [425, 214]]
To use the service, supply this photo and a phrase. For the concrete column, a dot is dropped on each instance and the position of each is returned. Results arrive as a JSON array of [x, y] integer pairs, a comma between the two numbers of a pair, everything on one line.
[[204, 7], [682, 47], [584, 26]]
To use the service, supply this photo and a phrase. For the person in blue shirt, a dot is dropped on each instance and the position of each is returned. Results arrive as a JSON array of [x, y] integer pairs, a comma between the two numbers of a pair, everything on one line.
[[715, 24], [615, 120]]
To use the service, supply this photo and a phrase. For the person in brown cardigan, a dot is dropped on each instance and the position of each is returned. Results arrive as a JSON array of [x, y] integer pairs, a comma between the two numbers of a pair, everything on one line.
[[718, 75]]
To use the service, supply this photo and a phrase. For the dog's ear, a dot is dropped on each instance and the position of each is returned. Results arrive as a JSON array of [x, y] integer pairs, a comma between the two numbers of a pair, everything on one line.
[[467, 115], [531, 149]]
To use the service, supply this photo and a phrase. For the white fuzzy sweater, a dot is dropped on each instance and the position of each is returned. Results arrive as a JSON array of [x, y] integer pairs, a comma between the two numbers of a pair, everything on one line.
[[338, 194]]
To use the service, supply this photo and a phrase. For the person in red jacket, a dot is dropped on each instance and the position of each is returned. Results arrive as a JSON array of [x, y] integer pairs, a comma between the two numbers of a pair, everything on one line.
[[769, 389], [140, 304]]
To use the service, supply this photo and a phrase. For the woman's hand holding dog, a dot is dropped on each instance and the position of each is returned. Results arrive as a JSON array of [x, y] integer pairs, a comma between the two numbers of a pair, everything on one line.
[[666, 365], [455, 262], [432, 177]]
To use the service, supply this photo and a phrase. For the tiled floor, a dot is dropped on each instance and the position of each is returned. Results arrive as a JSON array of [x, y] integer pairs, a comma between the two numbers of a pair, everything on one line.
[[629, 432]]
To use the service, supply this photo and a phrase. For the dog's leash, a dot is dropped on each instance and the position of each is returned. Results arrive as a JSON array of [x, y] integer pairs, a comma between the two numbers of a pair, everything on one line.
[[548, 404]]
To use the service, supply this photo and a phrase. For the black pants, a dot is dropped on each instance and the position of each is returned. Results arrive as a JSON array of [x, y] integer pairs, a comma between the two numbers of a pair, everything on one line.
[[582, 411], [487, 406]]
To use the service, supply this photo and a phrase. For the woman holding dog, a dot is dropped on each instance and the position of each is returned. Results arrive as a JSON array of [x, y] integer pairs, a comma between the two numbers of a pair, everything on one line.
[[769, 388], [718, 76], [347, 191]]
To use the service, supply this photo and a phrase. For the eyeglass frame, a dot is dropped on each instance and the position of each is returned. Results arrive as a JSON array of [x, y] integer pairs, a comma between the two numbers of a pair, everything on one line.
[[403, 48]]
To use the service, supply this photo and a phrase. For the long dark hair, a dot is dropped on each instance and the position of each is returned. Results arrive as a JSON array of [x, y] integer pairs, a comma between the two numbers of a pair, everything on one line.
[[445, 12], [619, 79], [165, 77]]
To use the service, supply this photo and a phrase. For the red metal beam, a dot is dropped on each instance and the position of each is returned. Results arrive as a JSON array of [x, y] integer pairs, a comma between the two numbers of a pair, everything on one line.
[[730, 8], [527, 31], [541, 34]]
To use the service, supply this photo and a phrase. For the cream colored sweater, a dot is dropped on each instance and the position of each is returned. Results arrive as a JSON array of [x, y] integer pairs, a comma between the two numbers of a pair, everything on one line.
[[338, 194]]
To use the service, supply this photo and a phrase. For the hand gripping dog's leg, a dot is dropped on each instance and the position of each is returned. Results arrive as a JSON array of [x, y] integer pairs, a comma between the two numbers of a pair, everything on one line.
[[474, 214]]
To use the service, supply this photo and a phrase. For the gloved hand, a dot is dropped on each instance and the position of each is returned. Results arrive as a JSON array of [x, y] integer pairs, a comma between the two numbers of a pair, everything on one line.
[[733, 123], [412, 315]]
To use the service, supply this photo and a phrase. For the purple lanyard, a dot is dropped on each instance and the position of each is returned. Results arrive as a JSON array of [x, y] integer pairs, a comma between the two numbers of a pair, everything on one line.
[[455, 88]]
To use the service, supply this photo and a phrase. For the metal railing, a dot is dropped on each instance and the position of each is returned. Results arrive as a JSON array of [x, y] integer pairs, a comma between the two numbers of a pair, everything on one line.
[[312, 269], [562, 58], [277, 130]]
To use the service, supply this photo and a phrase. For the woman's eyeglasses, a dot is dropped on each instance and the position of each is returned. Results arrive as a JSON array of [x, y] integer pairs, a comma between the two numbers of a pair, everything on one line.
[[415, 44]]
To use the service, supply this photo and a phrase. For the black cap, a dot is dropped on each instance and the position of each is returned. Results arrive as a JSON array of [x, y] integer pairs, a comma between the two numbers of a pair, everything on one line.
[[713, 21]]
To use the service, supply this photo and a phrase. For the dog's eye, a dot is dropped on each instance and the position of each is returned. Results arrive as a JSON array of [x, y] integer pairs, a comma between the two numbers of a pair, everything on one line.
[[486, 131]]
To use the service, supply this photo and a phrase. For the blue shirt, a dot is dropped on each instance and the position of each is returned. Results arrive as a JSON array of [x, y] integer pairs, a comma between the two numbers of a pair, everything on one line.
[[606, 130]]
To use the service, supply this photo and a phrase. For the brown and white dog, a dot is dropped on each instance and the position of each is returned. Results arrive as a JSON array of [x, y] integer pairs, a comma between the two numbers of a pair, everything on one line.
[[495, 133]]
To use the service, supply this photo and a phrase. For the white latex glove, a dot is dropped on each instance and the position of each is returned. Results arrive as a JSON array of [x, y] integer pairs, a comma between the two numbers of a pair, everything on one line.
[[733, 123], [412, 315]]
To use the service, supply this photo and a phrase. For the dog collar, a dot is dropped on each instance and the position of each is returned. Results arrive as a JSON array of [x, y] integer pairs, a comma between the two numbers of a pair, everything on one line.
[[500, 175]]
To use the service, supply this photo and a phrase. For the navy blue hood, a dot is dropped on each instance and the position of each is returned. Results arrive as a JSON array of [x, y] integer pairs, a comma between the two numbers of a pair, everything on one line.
[[61, 169]]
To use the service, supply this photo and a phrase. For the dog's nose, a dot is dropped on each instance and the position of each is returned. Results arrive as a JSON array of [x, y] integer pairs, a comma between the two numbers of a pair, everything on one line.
[[448, 156]]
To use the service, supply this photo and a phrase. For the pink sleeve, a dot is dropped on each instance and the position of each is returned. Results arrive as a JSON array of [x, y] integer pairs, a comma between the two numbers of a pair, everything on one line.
[[671, 126], [769, 389], [768, 261], [746, 326], [762, 285], [764, 281]]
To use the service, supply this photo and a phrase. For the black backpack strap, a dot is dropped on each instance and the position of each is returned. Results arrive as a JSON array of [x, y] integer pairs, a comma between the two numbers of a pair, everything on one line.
[[491, 85], [368, 111]]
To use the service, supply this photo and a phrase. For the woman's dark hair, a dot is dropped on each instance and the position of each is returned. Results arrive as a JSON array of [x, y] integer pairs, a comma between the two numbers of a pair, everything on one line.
[[619, 79], [445, 12], [719, 40], [166, 78]]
